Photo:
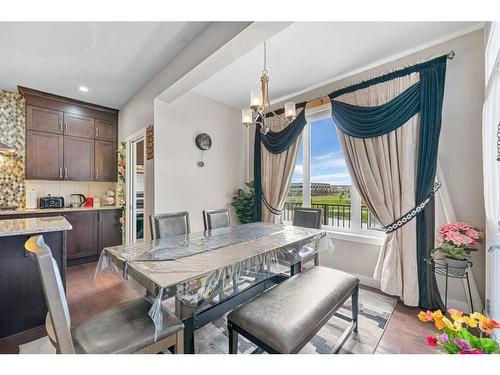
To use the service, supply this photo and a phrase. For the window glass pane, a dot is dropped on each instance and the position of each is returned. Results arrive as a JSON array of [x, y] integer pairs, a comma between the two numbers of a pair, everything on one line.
[[295, 193], [330, 180], [368, 221]]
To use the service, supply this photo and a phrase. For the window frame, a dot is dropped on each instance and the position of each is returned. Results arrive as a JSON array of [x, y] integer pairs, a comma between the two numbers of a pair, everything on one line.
[[315, 114]]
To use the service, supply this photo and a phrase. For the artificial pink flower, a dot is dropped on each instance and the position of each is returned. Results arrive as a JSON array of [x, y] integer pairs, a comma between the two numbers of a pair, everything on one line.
[[472, 351], [432, 341], [472, 233], [461, 225], [447, 228], [466, 240], [455, 237]]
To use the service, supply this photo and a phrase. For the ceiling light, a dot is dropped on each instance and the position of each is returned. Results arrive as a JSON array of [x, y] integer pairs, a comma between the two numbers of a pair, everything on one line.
[[83, 89]]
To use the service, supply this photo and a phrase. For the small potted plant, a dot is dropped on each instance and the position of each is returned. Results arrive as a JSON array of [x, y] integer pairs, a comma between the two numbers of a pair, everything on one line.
[[458, 333], [244, 202], [456, 242]]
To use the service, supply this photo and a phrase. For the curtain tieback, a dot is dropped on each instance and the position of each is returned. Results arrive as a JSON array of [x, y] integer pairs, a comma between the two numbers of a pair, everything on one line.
[[273, 210], [414, 212]]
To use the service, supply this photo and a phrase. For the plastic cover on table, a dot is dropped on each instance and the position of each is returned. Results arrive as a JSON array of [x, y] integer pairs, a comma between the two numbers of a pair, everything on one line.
[[214, 282]]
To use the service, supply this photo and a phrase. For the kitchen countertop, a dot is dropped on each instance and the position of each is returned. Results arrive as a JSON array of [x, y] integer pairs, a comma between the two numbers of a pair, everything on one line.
[[37, 225], [26, 211]]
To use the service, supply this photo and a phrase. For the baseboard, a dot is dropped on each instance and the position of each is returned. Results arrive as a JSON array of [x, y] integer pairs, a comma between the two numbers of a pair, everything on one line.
[[368, 281]]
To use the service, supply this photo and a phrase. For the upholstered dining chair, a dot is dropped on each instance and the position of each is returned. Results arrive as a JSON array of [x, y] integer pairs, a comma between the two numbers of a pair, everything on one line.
[[169, 224], [126, 328], [213, 219], [308, 218]]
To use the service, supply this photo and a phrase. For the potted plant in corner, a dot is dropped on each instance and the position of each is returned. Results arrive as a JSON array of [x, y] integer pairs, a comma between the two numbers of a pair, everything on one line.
[[456, 243], [244, 202]]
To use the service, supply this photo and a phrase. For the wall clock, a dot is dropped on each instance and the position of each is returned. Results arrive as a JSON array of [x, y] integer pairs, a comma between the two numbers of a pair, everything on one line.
[[203, 141]]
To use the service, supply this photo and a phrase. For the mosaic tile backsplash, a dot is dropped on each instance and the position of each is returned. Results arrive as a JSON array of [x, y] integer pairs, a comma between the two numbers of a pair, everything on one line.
[[12, 124]]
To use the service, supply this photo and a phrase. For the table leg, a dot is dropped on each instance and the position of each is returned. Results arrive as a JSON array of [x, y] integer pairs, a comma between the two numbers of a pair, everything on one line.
[[470, 294], [186, 314]]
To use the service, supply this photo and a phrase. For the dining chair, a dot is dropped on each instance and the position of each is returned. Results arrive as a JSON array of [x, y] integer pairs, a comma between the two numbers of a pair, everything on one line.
[[126, 328], [308, 218], [213, 219], [169, 224]]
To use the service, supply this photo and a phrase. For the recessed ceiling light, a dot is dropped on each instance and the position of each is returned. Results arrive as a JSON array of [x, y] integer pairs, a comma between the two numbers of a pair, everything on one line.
[[83, 89]]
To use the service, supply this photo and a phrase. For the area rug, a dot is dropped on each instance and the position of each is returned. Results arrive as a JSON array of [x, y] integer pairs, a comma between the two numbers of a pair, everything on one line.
[[375, 311]]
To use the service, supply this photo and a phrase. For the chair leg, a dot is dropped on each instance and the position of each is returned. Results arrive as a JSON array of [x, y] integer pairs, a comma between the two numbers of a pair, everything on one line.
[[354, 303], [179, 343], [233, 339], [316, 259]]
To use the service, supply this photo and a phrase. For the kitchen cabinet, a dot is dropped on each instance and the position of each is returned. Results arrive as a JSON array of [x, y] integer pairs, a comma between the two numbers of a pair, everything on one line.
[[106, 164], [110, 233], [60, 139], [78, 159], [44, 119], [82, 239], [78, 126], [106, 130], [44, 155]]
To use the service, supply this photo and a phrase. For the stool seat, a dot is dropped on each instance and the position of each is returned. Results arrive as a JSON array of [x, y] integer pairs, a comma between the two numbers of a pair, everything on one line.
[[287, 316]]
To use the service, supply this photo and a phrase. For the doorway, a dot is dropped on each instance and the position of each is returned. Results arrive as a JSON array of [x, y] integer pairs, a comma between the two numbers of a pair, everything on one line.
[[135, 194]]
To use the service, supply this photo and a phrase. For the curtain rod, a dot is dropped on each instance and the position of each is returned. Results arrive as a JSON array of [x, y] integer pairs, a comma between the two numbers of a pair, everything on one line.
[[450, 56]]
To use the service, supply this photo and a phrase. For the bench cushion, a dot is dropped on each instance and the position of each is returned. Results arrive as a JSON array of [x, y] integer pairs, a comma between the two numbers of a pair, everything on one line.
[[286, 315], [126, 328]]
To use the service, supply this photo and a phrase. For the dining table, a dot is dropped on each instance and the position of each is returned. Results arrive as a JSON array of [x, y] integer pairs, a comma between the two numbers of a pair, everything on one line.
[[210, 273]]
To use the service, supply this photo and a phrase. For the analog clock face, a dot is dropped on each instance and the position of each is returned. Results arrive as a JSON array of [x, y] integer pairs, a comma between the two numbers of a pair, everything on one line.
[[203, 141]]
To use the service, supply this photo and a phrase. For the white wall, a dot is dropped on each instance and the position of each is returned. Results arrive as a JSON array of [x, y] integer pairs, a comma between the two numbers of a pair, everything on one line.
[[459, 150], [179, 183]]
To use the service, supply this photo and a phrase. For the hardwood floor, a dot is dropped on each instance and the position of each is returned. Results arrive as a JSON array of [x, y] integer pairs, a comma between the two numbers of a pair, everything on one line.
[[404, 333]]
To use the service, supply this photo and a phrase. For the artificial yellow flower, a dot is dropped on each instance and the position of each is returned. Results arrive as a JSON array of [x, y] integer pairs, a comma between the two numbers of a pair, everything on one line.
[[456, 315], [439, 323], [480, 317], [437, 314], [470, 321], [425, 316], [455, 326]]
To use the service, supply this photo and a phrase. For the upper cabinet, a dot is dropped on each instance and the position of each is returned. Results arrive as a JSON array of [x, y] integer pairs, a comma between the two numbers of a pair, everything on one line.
[[67, 139], [44, 119], [78, 126]]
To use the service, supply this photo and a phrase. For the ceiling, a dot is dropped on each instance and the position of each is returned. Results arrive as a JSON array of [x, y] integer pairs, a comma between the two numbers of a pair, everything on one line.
[[114, 60], [308, 53]]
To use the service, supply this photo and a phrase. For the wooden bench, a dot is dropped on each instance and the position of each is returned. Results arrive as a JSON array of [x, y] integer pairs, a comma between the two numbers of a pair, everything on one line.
[[285, 318]]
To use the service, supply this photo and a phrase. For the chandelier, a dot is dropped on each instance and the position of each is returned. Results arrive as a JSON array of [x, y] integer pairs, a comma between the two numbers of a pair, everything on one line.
[[260, 105]]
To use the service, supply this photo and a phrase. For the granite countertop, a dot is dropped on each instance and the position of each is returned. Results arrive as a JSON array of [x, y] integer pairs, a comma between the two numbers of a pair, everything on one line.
[[15, 227], [26, 211]]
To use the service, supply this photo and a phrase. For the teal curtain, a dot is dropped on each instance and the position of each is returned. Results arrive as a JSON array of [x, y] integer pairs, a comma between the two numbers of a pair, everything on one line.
[[425, 97]]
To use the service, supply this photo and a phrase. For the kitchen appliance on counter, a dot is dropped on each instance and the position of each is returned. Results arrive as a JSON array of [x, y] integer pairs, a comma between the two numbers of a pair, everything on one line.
[[77, 200], [51, 202]]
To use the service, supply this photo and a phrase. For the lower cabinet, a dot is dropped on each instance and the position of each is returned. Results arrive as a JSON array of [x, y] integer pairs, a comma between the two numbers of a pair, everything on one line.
[[92, 231]]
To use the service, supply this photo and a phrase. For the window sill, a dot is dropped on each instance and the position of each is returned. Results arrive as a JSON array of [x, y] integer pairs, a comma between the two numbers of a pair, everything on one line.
[[376, 239]]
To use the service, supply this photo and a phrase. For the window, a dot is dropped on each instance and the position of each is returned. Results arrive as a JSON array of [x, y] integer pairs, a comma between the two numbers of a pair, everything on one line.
[[321, 179]]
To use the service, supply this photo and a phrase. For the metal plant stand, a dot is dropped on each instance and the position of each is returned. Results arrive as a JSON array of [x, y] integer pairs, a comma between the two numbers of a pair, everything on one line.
[[444, 270]]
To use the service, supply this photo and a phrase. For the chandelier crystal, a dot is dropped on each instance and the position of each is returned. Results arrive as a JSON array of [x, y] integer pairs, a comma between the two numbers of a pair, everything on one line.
[[260, 105]]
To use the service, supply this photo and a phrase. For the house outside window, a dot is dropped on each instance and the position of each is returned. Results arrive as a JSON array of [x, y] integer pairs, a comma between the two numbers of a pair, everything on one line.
[[321, 179]]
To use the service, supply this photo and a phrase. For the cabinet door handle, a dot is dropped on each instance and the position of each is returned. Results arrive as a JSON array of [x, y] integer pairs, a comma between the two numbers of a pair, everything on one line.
[[100, 217], [60, 126], [97, 132], [65, 126], [96, 174], [66, 174], [60, 173]]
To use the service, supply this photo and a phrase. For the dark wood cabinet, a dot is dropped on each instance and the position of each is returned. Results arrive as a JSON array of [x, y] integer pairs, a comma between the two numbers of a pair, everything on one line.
[[78, 126], [106, 165], [78, 159], [22, 302], [106, 130], [82, 239], [44, 119], [110, 233], [44, 155], [51, 156]]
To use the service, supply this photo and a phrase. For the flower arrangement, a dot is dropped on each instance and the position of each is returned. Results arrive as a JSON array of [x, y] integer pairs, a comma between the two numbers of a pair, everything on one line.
[[456, 241], [121, 182], [456, 336]]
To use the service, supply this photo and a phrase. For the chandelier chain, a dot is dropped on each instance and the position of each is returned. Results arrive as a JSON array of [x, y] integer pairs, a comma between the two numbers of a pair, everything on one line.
[[264, 71]]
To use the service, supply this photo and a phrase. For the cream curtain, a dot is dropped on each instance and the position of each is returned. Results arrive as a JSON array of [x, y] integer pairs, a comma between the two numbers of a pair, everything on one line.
[[383, 170], [277, 171]]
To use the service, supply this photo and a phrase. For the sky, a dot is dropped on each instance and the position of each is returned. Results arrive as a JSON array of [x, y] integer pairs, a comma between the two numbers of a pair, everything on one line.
[[327, 162]]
